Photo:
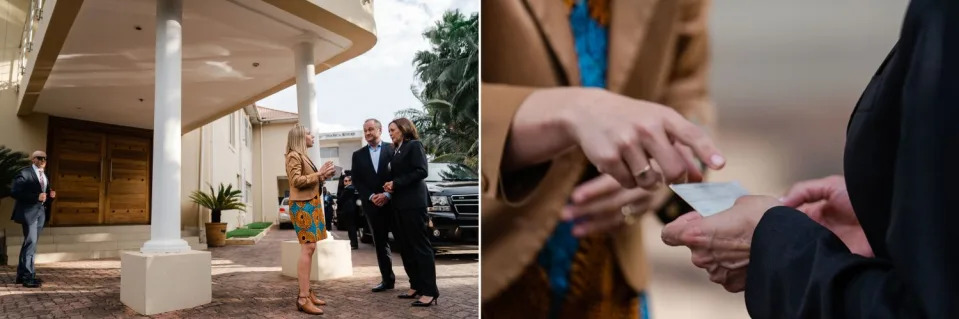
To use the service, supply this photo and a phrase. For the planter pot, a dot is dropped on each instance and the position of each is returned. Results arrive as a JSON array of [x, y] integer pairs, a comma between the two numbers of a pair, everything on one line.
[[215, 234]]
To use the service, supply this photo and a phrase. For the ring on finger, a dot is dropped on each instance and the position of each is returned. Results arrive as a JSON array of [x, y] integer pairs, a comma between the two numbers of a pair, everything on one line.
[[629, 214]]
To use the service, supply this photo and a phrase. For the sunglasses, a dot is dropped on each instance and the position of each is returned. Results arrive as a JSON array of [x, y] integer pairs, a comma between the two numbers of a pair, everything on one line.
[[41, 158]]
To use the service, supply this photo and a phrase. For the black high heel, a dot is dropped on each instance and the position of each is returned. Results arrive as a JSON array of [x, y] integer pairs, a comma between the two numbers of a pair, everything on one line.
[[425, 304]]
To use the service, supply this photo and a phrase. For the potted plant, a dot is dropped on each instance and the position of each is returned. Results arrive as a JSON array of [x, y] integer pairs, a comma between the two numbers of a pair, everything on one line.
[[225, 198]]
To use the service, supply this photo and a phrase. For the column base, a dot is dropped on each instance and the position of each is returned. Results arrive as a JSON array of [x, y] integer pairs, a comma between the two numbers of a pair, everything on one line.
[[332, 259], [156, 283]]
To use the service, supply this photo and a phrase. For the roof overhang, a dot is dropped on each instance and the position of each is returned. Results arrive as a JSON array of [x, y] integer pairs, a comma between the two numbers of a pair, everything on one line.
[[95, 59]]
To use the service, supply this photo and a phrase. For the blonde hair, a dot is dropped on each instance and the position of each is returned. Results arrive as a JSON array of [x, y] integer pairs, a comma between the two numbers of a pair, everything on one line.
[[296, 140]]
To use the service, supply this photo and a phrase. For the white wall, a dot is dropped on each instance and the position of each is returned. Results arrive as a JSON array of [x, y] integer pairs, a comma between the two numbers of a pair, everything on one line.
[[228, 163]]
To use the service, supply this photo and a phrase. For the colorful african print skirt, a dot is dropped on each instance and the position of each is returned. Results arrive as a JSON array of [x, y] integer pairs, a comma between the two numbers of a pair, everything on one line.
[[308, 220]]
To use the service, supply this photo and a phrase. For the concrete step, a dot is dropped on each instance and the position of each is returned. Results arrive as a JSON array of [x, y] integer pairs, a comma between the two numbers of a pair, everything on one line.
[[86, 250], [16, 231]]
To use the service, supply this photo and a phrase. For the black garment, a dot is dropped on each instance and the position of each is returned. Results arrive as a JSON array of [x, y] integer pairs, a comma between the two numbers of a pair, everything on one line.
[[346, 211], [328, 212], [409, 169], [902, 170], [368, 182], [30, 213]]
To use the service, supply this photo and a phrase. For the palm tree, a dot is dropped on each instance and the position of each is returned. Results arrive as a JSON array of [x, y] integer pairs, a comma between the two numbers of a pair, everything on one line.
[[10, 165], [226, 198], [448, 74]]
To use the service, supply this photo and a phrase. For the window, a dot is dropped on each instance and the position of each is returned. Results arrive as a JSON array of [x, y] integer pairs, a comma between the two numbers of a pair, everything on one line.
[[233, 129], [330, 152], [249, 134], [248, 198]]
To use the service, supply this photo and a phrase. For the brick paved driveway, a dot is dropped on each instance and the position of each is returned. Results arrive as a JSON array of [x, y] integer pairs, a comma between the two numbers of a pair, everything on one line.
[[246, 284]]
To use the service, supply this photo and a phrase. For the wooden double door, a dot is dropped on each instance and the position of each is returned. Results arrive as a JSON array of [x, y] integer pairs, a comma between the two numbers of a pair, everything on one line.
[[101, 173]]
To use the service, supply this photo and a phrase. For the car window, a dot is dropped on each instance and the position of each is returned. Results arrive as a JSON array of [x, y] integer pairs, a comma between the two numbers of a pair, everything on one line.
[[286, 201]]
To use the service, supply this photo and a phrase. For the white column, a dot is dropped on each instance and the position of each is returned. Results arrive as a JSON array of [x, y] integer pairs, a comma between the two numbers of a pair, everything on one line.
[[165, 203], [306, 93]]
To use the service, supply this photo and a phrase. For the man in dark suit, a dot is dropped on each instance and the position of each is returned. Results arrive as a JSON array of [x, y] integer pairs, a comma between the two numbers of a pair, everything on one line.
[[370, 172], [32, 191]]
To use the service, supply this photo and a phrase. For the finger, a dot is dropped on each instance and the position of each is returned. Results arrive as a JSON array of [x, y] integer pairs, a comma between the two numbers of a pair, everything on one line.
[[691, 135], [719, 276], [694, 173], [639, 166], [610, 204], [683, 230], [661, 149], [596, 225], [806, 192], [612, 164], [595, 188]]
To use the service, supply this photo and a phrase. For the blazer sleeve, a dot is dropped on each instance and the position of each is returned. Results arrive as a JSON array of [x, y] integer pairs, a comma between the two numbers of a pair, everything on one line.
[[418, 167], [358, 182], [20, 190], [687, 89], [799, 269], [294, 170]]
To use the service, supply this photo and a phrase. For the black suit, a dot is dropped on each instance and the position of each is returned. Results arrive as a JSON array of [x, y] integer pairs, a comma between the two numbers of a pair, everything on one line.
[[346, 211], [368, 181], [30, 213], [902, 169], [409, 168]]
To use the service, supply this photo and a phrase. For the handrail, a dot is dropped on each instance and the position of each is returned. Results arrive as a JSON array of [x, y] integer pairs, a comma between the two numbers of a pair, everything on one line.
[[30, 27]]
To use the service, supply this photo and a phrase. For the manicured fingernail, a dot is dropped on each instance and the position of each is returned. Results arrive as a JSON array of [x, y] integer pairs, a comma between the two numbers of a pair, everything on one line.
[[567, 214], [782, 199], [717, 160], [578, 231]]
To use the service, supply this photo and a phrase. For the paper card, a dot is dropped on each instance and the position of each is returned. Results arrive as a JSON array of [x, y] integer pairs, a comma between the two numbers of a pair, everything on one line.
[[709, 198]]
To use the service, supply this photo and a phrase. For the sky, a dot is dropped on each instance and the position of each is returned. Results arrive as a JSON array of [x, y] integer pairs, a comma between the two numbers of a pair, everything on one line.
[[377, 83]]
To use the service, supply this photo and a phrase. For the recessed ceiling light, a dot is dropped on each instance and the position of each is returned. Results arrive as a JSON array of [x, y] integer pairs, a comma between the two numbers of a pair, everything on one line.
[[256, 64], [138, 28], [141, 100]]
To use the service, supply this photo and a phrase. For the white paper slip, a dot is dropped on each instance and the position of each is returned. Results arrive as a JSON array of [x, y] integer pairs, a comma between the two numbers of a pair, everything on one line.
[[709, 198]]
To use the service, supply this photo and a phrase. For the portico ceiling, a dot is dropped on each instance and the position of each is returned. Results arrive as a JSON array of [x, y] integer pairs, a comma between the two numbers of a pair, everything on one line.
[[235, 52]]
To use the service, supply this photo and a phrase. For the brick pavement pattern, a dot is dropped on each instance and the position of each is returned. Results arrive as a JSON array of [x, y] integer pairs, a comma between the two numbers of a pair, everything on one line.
[[246, 284]]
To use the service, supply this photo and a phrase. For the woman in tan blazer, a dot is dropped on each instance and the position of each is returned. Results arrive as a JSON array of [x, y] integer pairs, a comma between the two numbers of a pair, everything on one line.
[[306, 210], [561, 163]]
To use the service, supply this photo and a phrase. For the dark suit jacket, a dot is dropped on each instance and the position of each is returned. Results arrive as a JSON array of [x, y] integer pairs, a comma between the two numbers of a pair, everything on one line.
[[368, 181], [902, 170], [409, 168], [26, 191]]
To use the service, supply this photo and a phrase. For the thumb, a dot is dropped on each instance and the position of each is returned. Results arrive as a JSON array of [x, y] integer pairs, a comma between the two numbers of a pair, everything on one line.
[[806, 192]]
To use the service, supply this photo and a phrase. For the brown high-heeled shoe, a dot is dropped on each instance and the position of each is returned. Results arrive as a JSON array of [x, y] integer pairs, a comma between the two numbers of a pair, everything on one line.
[[307, 306], [315, 300]]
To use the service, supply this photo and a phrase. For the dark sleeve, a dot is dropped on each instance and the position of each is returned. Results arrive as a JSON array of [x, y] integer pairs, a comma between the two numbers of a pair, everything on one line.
[[799, 269], [20, 192], [358, 181], [418, 171]]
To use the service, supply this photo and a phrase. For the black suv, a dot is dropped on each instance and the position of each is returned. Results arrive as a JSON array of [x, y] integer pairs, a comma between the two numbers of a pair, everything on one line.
[[454, 203]]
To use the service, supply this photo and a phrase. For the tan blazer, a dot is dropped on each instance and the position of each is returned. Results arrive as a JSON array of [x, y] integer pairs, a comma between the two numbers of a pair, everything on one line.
[[304, 182], [657, 52]]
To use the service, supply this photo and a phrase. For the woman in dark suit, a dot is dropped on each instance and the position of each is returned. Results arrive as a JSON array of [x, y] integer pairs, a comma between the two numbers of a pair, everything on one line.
[[874, 243], [409, 170]]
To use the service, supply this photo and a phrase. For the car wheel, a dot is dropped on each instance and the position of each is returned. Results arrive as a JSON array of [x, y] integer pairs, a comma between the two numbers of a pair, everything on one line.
[[286, 225]]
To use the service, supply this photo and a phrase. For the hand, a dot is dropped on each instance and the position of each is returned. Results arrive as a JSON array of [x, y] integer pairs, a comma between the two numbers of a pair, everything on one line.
[[379, 200], [597, 205], [53, 194], [620, 135], [720, 243], [327, 170], [388, 187], [43, 197], [826, 201]]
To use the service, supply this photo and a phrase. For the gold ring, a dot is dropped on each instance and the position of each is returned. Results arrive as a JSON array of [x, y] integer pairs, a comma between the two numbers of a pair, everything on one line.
[[628, 212]]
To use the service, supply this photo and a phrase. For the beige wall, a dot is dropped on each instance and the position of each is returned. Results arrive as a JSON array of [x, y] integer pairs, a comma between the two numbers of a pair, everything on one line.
[[20, 133], [222, 162], [271, 145], [189, 179]]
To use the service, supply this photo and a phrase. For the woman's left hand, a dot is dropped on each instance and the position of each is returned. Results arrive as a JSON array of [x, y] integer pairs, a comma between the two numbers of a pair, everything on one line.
[[720, 243], [388, 187], [598, 205]]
